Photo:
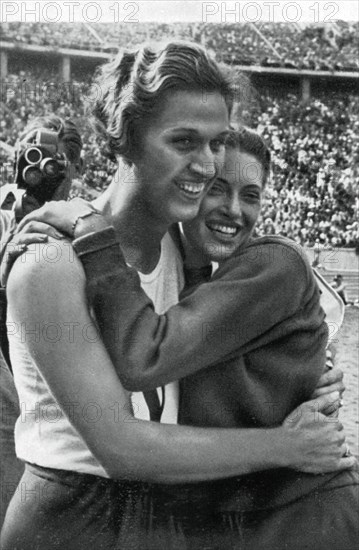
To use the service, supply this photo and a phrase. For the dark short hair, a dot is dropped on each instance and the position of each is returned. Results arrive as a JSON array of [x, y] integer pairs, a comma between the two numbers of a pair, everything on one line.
[[250, 142], [131, 88], [67, 132]]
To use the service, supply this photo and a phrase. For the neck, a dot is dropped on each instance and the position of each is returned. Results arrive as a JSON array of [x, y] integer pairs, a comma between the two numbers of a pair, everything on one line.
[[194, 258], [123, 207]]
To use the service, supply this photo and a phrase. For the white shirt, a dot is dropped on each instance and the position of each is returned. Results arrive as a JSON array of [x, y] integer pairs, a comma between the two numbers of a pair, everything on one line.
[[43, 433], [163, 286]]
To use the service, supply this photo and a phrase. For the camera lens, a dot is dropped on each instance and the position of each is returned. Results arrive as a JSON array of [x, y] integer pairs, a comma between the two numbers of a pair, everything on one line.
[[50, 168], [32, 176], [33, 155]]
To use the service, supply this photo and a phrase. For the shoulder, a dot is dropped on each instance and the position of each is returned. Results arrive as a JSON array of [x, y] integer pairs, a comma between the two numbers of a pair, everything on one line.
[[272, 250], [273, 258], [44, 271], [277, 243]]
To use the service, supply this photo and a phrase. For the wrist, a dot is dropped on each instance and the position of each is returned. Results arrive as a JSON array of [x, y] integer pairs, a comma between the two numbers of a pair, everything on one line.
[[95, 241], [100, 255], [280, 448], [90, 222]]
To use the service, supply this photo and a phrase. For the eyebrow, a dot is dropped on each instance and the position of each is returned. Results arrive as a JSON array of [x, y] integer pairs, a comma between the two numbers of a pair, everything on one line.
[[221, 180], [249, 185], [182, 129], [221, 135], [254, 186]]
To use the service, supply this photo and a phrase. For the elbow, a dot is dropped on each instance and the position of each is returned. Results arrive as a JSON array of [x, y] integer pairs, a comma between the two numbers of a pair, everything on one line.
[[126, 466], [123, 471], [139, 380], [119, 469]]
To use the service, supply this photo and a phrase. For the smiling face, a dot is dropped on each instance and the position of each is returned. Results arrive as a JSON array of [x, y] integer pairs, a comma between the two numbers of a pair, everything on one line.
[[229, 211], [178, 153]]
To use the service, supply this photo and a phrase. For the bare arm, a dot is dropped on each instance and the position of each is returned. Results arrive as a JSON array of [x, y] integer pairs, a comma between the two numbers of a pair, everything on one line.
[[81, 371], [208, 326]]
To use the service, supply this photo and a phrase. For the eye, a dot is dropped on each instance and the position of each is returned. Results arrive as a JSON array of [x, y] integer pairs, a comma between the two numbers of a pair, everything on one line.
[[252, 196], [217, 145], [184, 143], [216, 189]]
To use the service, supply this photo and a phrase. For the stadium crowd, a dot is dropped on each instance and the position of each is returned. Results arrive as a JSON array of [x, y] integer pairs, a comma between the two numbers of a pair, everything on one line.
[[314, 47], [331, 46], [315, 170], [313, 194]]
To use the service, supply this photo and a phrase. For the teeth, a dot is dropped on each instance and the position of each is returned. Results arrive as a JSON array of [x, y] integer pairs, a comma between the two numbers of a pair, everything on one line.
[[224, 229], [192, 187]]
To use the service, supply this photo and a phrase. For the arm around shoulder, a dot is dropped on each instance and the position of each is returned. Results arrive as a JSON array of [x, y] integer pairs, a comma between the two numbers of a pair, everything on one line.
[[263, 284], [77, 368]]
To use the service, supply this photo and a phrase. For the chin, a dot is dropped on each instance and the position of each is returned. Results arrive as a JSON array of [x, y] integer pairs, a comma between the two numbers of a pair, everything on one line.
[[218, 252], [186, 214]]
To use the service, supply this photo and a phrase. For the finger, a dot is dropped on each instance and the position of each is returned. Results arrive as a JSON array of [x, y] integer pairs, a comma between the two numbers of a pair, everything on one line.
[[339, 426], [329, 363], [347, 462], [322, 401], [49, 212], [18, 246], [14, 249], [36, 215], [331, 408], [7, 264], [334, 414], [37, 227], [332, 350], [29, 238], [60, 214], [339, 387], [346, 450], [330, 377]]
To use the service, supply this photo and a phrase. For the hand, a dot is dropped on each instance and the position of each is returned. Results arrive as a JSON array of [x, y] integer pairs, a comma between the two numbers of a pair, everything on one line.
[[330, 381], [33, 232], [62, 215], [314, 443]]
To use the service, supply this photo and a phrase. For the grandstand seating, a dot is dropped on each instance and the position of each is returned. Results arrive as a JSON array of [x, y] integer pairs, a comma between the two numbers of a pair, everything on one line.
[[312, 195], [331, 46]]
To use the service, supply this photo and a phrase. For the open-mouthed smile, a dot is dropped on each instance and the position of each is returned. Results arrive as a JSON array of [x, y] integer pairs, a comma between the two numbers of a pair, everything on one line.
[[224, 229], [191, 189]]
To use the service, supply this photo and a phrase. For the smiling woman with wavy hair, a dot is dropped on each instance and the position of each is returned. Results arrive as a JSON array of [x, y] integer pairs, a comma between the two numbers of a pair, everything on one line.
[[94, 452]]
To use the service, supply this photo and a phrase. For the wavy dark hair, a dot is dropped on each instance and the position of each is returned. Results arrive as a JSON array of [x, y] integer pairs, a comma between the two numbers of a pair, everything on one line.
[[251, 142], [132, 85]]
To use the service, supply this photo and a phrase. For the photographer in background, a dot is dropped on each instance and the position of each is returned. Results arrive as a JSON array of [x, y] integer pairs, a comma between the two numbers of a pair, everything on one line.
[[62, 140], [63, 143]]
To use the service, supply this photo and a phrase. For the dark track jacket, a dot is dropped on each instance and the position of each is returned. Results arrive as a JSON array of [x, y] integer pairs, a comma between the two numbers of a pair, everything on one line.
[[248, 346]]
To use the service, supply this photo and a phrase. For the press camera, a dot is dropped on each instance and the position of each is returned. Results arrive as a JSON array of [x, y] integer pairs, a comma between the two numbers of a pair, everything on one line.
[[39, 166]]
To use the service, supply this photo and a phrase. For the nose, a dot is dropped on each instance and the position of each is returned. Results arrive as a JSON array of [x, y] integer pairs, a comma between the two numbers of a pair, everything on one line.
[[233, 208], [205, 163]]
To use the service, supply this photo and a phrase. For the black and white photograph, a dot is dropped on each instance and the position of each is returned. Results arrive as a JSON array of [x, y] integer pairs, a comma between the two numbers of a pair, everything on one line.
[[179, 282]]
